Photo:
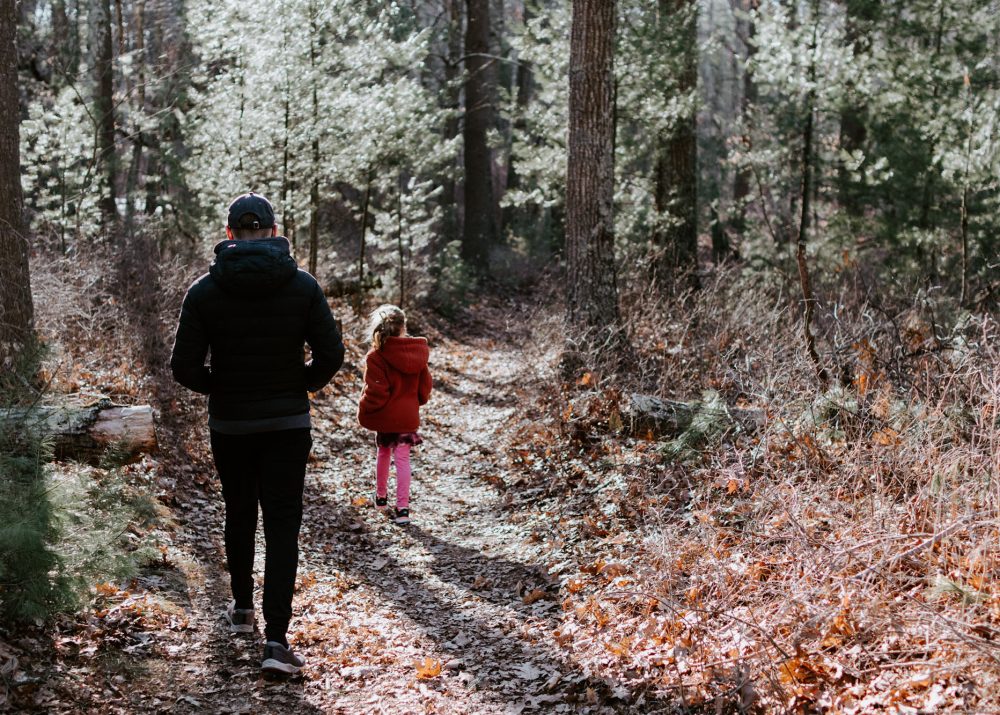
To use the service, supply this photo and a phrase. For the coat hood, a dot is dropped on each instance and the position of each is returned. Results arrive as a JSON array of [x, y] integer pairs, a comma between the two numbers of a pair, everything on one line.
[[408, 355], [254, 267]]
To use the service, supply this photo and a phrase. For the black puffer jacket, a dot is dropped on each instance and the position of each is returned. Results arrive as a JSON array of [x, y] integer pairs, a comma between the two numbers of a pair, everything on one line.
[[254, 310]]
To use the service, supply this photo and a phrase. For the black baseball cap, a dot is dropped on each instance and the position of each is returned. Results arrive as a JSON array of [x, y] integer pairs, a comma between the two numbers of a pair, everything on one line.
[[251, 211]]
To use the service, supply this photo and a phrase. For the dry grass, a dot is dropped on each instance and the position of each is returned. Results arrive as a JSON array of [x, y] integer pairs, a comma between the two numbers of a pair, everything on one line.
[[843, 558]]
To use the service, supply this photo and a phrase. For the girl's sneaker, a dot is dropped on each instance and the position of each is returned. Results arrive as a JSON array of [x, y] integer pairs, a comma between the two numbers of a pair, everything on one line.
[[402, 516], [381, 502]]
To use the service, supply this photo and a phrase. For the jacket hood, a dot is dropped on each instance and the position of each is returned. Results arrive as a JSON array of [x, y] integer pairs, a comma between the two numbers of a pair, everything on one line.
[[253, 267], [408, 355]]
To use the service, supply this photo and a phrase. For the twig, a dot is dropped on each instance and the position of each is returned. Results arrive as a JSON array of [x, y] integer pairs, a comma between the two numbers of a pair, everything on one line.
[[914, 550]]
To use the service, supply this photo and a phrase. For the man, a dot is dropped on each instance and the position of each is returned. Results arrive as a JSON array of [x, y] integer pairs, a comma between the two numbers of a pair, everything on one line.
[[253, 311]]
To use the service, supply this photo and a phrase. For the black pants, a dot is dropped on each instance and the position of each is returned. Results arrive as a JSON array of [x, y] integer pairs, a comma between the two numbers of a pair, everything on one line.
[[267, 468]]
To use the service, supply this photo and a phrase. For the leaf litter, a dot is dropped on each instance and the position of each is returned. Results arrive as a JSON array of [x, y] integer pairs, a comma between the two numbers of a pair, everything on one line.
[[533, 579]]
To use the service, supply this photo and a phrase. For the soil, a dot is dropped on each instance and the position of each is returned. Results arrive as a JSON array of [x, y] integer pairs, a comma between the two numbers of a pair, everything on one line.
[[459, 612]]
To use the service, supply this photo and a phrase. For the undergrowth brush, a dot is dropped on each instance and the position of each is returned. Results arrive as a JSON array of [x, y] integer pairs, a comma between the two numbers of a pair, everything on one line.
[[840, 554], [67, 526]]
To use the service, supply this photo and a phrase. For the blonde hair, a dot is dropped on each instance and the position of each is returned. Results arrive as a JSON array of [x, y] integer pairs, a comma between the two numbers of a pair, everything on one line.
[[386, 321]]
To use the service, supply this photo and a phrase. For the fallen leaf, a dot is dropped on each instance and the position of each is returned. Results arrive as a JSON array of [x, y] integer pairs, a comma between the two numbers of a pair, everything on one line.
[[536, 594], [430, 668]]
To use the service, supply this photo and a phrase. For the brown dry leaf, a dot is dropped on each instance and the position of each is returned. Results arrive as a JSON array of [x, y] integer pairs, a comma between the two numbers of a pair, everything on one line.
[[574, 585], [430, 668], [800, 670], [359, 501], [622, 648], [480, 582], [535, 594], [610, 571], [886, 437], [586, 379], [732, 486], [307, 580], [563, 639]]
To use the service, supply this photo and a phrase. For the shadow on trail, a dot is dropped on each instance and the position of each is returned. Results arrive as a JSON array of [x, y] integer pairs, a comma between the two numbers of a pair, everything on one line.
[[491, 651], [506, 581], [492, 392]]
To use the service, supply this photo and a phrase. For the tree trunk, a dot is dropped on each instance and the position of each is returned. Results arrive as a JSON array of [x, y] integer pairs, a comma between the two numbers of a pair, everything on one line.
[[808, 302], [742, 183], [65, 50], [648, 416], [104, 109], [314, 188], [452, 224], [592, 289], [85, 433], [927, 198], [480, 231], [676, 191], [16, 310], [853, 130], [522, 220]]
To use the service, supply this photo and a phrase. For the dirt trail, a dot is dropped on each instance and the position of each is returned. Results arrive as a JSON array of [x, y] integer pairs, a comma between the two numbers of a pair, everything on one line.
[[465, 589]]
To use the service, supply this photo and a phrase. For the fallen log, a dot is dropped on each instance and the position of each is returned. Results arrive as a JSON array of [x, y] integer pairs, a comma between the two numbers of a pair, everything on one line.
[[86, 432], [645, 415]]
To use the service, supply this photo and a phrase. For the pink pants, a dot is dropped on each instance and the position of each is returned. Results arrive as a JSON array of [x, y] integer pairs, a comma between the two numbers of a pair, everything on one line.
[[400, 454]]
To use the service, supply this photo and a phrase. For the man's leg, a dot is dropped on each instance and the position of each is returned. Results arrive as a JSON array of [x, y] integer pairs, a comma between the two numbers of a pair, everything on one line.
[[283, 468], [237, 467]]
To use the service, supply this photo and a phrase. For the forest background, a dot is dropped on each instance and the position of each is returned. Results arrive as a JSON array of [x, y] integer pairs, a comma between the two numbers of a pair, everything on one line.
[[790, 212]]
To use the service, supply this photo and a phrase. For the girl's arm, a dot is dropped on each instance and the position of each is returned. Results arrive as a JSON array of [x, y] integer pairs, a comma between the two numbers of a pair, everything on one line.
[[424, 386], [376, 392]]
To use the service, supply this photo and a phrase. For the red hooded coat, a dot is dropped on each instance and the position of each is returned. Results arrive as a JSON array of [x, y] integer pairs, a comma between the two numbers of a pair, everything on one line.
[[397, 382]]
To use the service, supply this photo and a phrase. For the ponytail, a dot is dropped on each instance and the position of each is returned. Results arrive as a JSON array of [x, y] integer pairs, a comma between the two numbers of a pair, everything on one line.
[[386, 321]]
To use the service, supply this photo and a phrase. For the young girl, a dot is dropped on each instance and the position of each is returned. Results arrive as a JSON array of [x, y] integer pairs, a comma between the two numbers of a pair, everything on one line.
[[397, 383]]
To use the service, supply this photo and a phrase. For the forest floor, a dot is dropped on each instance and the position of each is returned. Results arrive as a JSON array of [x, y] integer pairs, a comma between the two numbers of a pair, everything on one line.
[[458, 612], [555, 563]]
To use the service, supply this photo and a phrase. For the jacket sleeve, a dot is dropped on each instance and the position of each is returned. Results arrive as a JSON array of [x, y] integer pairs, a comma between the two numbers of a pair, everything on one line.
[[187, 360], [325, 342], [376, 392], [424, 386]]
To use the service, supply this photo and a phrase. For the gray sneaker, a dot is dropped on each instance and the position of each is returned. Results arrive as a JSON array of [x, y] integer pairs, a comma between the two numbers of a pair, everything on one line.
[[241, 620], [281, 660]]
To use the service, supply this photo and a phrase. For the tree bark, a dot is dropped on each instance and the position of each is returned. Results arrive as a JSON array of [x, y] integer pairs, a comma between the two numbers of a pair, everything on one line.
[[805, 282], [314, 186], [592, 288], [65, 50], [16, 309], [860, 14], [479, 230], [520, 219], [104, 109], [743, 181], [676, 191], [645, 415], [452, 224], [85, 433]]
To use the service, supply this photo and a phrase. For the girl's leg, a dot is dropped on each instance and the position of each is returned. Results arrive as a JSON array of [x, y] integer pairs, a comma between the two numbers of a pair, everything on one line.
[[382, 471], [402, 460]]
